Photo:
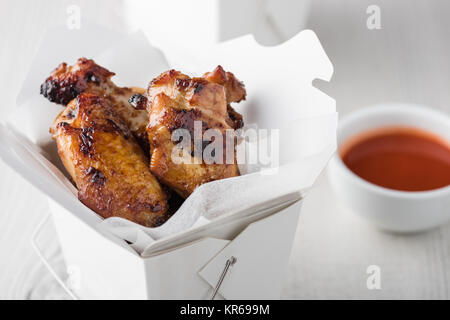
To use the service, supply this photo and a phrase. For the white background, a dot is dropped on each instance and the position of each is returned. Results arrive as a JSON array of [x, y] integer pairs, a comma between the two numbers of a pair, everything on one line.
[[406, 61]]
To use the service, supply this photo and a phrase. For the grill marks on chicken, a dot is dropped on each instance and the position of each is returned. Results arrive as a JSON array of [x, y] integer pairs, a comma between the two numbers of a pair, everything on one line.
[[104, 132], [66, 82], [106, 163], [176, 101]]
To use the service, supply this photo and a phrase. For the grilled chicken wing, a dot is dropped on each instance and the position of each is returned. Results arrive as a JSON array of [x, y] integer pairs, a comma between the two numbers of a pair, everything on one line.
[[66, 82], [177, 101], [105, 161]]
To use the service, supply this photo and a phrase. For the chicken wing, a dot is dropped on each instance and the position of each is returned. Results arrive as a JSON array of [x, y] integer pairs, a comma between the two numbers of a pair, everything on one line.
[[66, 82], [177, 101], [106, 163]]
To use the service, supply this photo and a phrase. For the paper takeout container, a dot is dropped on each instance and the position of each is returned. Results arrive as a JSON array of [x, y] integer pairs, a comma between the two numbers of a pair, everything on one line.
[[251, 218]]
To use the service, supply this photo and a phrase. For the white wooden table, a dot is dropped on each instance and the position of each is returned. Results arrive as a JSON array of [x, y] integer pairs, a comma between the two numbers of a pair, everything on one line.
[[405, 61]]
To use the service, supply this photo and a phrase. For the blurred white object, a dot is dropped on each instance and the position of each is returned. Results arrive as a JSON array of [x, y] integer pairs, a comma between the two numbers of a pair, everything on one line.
[[202, 22], [391, 210]]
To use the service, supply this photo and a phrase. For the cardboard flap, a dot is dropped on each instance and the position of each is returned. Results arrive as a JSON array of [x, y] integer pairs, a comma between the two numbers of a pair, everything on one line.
[[278, 76], [225, 227], [256, 273]]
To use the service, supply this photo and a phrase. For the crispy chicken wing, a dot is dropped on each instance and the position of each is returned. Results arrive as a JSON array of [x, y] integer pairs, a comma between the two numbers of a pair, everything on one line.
[[176, 101], [106, 163], [66, 82]]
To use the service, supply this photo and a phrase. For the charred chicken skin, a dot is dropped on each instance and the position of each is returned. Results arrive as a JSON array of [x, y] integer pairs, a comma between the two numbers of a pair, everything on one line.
[[106, 162], [176, 101], [106, 134], [66, 82]]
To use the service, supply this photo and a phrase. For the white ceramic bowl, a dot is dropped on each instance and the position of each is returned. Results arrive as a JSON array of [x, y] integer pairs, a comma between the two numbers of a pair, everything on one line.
[[391, 210]]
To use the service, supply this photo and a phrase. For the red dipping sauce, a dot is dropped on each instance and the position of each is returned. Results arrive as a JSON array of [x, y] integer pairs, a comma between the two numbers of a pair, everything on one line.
[[399, 158]]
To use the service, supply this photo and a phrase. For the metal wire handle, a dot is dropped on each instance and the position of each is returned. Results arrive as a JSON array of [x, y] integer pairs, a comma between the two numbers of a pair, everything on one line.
[[228, 264]]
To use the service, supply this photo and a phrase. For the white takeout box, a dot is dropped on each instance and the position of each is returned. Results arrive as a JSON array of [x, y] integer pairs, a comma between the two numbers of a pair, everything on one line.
[[186, 264], [188, 271]]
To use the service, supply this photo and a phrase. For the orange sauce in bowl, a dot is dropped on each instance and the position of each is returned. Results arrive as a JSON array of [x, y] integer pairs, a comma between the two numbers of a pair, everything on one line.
[[399, 158]]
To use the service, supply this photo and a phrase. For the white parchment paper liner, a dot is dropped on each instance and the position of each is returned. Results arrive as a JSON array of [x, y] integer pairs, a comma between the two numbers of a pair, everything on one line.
[[280, 96]]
